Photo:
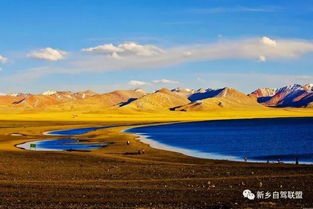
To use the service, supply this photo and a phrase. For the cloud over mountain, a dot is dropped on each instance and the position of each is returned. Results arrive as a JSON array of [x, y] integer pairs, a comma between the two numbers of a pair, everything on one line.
[[48, 54]]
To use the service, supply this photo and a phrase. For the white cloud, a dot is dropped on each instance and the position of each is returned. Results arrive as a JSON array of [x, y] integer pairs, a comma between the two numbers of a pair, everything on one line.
[[165, 81], [187, 53], [268, 41], [3, 59], [131, 59], [251, 48], [125, 49], [48, 53], [103, 49], [137, 83], [262, 58]]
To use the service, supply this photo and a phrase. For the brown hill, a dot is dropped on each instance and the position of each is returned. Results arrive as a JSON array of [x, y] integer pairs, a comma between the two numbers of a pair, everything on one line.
[[310, 105], [115, 98], [160, 100], [227, 98], [28, 101]]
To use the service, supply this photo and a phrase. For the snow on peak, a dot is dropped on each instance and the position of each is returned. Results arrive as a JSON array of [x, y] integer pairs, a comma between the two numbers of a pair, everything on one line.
[[201, 90], [49, 92], [290, 88], [179, 89], [308, 87], [266, 92], [140, 90]]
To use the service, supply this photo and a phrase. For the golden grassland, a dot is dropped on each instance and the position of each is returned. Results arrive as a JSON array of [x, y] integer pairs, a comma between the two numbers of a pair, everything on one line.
[[117, 177], [162, 116]]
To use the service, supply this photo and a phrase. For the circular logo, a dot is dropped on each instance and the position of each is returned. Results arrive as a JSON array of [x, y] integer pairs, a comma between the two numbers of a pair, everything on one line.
[[248, 194]]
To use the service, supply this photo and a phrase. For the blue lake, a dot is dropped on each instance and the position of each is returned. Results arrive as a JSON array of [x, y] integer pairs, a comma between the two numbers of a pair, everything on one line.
[[64, 144], [60, 145], [284, 139]]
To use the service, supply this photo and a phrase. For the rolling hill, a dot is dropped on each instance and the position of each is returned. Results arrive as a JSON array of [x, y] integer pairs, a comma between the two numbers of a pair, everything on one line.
[[220, 99], [160, 100]]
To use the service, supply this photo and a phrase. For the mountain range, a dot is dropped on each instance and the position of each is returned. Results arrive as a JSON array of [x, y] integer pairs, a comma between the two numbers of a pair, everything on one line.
[[288, 96], [178, 99]]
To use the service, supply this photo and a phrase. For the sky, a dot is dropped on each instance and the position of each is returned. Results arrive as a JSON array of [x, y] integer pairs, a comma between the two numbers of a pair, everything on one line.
[[125, 44]]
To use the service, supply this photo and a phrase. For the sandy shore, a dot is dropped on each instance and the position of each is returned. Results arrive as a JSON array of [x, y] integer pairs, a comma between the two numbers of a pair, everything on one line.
[[118, 177]]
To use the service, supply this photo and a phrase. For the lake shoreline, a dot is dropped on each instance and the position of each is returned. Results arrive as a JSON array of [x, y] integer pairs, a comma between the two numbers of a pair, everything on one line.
[[155, 143]]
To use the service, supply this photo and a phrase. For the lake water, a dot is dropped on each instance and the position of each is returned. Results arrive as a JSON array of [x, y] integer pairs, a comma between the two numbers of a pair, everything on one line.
[[64, 144], [60, 145], [284, 139]]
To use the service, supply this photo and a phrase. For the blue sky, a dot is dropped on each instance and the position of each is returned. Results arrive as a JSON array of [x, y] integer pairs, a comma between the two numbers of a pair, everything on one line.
[[123, 44]]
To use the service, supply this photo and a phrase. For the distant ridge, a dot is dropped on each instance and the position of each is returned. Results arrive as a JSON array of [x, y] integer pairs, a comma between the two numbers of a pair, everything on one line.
[[288, 96], [178, 99]]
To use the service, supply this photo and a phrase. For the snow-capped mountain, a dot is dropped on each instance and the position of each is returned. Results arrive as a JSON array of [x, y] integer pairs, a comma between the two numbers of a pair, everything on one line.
[[288, 96], [204, 94]]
